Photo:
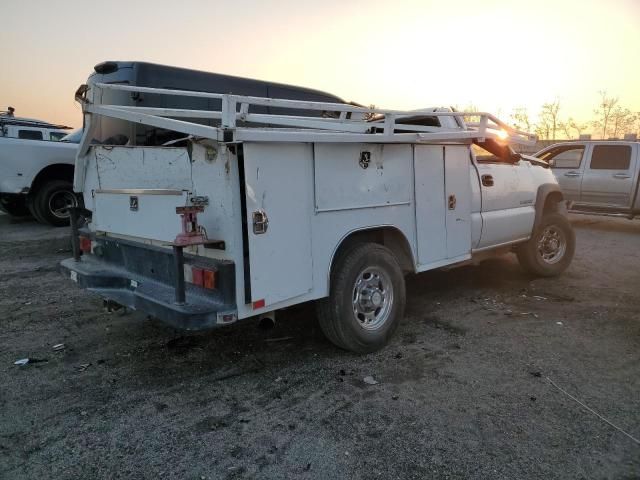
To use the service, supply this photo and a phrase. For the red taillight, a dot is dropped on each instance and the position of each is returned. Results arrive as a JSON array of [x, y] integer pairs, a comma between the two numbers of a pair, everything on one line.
[[85, 244], [259, 304], [198, 276], [202, 277], [209, 279]]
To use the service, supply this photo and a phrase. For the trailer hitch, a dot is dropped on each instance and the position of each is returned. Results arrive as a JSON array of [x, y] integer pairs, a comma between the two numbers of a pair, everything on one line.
[[191, 234]]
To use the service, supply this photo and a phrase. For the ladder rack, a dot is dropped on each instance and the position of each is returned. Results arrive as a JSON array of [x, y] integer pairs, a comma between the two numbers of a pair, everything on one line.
[[345, 123]]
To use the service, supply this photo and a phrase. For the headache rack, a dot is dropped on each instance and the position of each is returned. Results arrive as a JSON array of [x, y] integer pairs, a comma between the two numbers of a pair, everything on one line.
[[341, 123]]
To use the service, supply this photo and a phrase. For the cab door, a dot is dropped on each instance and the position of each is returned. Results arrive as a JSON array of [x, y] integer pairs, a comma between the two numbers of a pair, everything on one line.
[[567, 165], [609, 178], [508, 203]]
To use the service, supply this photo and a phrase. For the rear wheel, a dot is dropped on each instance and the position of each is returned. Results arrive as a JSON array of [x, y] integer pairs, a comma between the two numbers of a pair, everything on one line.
[[52, 202], [366, 301], [550, 250]]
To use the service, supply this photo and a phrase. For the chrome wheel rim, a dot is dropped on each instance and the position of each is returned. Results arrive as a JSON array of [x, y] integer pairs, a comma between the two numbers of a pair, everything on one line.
[[372, 298], [60, 202], [552, 245]]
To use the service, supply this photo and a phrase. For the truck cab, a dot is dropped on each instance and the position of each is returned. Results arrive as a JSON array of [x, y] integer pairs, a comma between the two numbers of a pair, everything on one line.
[[29, 128], [597, 176]]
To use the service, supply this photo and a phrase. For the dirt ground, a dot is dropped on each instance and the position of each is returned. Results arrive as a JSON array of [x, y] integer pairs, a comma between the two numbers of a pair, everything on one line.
[[464, 387]]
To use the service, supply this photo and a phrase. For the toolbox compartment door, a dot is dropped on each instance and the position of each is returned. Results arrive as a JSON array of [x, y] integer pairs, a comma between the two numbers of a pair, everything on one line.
[[277, 179], [443, 204], [134, 191]]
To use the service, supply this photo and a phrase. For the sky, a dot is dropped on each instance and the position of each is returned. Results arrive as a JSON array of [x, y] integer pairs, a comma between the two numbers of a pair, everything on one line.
[[495, 55]]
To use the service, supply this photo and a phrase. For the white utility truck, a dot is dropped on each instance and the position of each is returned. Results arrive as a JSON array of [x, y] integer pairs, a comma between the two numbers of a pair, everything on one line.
[[255, 212]]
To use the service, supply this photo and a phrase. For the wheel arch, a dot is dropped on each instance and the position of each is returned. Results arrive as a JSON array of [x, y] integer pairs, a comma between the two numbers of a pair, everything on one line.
[[57, 171], [388, 235], [548, 199]]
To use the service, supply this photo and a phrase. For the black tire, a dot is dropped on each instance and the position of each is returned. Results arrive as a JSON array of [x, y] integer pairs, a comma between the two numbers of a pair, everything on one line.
[[32, 210], [51, 200], [370, 273], [550, 250], [16, 207]]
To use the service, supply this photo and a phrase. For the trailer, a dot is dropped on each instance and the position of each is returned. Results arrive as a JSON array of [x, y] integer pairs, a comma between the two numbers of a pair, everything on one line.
[[255, 212]]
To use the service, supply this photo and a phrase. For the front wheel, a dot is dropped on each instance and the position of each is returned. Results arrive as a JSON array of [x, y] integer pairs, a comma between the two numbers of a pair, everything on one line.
[[366, 300], [550, 250]]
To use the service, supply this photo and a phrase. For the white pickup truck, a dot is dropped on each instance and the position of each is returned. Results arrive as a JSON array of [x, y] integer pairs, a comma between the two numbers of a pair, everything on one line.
[[241, 218], [597, 177], [36, 169]]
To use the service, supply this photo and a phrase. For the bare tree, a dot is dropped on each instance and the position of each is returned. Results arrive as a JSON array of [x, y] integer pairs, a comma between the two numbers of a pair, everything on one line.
[[636, 124], [520, 119], [622, 121], [548, 121], [542, 130], [571, 125], [604, 112]]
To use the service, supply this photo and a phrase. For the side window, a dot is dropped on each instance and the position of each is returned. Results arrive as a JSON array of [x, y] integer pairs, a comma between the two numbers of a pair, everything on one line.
[[56, 136], [564, 157], [611, 157], [30, 134]]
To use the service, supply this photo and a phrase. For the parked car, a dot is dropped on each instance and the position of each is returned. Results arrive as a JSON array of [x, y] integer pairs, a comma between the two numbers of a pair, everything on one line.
[[36, 169], [30, 128], [599, 177]]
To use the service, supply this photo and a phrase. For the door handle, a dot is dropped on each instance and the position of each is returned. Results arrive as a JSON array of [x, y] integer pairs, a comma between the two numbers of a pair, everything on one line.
[[487, 180], [621, 176], [572, 174], [452, 202]]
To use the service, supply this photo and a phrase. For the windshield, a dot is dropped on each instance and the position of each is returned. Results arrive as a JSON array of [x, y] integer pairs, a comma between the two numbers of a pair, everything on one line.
[[73, 137]]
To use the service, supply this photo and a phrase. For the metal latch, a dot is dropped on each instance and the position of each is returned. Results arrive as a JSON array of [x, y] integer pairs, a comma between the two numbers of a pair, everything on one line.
[[260, 222], [365, 159], [452, 202]]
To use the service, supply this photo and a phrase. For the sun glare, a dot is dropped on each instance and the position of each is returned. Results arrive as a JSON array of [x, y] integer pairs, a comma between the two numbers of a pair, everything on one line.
[[502, 134]]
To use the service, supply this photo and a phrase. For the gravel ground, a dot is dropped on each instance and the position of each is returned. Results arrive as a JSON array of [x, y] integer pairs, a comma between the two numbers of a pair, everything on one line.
[[464, 389]]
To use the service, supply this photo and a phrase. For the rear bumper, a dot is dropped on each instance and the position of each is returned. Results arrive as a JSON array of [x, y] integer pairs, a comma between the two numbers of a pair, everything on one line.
[[125, 286]]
